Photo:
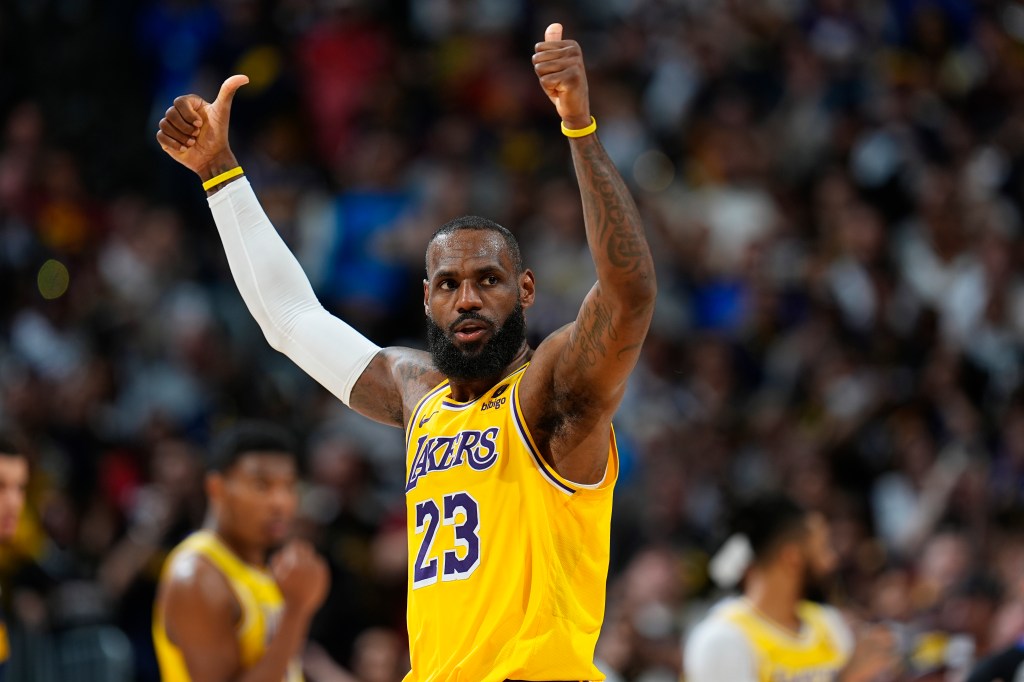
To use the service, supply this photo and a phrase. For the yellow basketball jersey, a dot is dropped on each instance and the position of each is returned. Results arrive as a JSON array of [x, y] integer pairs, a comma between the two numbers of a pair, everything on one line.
[[814, 655], [258, 596], [508, 560]]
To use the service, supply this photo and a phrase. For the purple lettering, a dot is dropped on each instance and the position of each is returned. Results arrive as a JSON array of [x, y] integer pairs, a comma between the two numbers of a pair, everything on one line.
[[486, 455], [466, 444], [435, 462], [418, 467]]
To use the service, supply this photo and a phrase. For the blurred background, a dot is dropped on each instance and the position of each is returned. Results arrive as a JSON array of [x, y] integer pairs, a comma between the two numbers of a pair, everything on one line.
[[833, 190]]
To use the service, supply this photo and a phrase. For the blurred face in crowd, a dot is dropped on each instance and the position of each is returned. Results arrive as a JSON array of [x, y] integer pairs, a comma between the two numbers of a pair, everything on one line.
[[255, 500], [13, 481]]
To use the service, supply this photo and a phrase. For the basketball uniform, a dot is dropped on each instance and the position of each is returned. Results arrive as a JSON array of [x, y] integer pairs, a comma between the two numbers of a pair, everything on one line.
[[737, 643], [258, 597], [508, 560]]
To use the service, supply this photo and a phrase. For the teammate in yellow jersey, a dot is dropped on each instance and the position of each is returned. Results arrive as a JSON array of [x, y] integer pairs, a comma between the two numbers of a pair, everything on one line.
[[13, 482], [511, 455], [773, 633], [222, 612]]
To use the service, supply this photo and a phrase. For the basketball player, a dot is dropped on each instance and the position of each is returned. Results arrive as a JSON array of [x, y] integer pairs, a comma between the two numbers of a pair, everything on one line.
[[773, 633], [221, 612], [511, 454], [13, 482]]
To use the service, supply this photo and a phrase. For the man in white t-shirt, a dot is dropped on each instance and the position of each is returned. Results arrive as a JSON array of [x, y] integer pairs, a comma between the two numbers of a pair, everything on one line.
[[773, 633]]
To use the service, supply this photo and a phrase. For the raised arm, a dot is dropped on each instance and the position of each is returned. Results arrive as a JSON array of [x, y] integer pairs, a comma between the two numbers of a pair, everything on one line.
[[589, 361], [380, 384]]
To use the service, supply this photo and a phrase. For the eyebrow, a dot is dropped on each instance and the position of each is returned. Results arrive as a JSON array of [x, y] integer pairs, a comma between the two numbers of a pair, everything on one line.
[[482, 270]]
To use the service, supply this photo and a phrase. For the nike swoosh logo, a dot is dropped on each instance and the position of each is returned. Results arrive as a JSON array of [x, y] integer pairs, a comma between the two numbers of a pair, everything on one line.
[[427, 418]]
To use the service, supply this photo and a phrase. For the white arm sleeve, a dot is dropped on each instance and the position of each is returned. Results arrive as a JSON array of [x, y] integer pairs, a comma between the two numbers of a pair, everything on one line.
[[717, 651], [280, 297]]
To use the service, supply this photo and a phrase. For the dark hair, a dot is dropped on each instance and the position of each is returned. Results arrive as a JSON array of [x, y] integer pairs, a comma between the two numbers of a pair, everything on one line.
[[246, 437], [769, 521], [12, 443], [475, 222]]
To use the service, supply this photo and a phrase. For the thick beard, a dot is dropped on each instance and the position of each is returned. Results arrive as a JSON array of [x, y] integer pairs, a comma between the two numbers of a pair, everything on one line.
[[484, 362]]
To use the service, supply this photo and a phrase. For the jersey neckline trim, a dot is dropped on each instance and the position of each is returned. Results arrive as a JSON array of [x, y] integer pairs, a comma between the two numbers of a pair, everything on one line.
[[457, 405]]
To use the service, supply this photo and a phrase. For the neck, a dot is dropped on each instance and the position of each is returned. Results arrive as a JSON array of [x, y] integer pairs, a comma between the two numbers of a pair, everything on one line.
[[465, 390], [775, 593], [255, 556]]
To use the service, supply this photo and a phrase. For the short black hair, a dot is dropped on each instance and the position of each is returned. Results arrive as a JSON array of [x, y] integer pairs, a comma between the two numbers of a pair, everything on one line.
[[246, 437], [475, 222], [12, 442], [768, 521]]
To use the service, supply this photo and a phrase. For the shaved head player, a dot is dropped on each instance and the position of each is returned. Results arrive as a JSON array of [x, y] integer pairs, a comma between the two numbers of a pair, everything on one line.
[[511, 455]]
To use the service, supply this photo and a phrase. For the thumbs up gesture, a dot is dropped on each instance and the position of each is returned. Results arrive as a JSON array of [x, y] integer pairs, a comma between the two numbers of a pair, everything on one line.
[[559, 66], [194, 132]]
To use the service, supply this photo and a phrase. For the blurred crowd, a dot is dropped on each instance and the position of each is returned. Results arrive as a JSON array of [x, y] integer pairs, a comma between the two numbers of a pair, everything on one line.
[[833, 190]]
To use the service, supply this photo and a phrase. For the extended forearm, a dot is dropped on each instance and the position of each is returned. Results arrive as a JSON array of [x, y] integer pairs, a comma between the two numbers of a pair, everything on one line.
[[281, 299], [615, 233]]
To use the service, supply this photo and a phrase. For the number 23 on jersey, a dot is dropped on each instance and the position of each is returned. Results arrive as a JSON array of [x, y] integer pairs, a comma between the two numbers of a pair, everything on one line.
[[461, 511]]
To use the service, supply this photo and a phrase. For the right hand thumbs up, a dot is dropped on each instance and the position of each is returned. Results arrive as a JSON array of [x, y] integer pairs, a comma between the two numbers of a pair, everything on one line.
[[194, 132]]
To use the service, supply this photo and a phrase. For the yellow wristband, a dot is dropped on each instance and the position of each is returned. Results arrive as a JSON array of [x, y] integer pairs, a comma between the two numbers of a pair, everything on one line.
[[223, 177], [580, 132]]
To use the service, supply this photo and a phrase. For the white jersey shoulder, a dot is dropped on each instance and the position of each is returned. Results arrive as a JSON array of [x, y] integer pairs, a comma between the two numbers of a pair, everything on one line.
[[718, 649]]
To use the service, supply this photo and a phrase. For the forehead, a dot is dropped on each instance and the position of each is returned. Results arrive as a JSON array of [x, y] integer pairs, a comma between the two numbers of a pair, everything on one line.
[[467, 249], [264, 464], [13, 467]]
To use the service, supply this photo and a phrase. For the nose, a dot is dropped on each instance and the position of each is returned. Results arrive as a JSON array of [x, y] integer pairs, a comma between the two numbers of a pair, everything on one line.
[[469, 297]]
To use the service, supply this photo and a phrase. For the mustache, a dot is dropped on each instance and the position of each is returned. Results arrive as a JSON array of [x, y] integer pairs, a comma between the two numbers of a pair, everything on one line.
[[470, 315]]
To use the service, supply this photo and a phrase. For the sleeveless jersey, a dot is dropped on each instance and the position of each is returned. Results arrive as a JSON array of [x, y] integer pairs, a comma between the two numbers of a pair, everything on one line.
[[816, 654], [258, 597], [508, 560]]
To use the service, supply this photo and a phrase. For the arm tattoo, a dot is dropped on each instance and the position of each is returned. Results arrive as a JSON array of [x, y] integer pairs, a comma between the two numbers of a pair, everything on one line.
[[410, 373], [589, 338], [613, 223]]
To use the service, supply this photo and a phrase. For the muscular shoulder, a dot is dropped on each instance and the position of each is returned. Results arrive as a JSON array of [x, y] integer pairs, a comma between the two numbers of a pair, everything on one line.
[[392, 384], [718, 650], [195, 588], [540, 384]]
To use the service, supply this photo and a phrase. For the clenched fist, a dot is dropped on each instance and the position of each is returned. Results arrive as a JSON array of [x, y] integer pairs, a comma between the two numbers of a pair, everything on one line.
[[559, 66], [194, 132], [301, 574], [874, 654]]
